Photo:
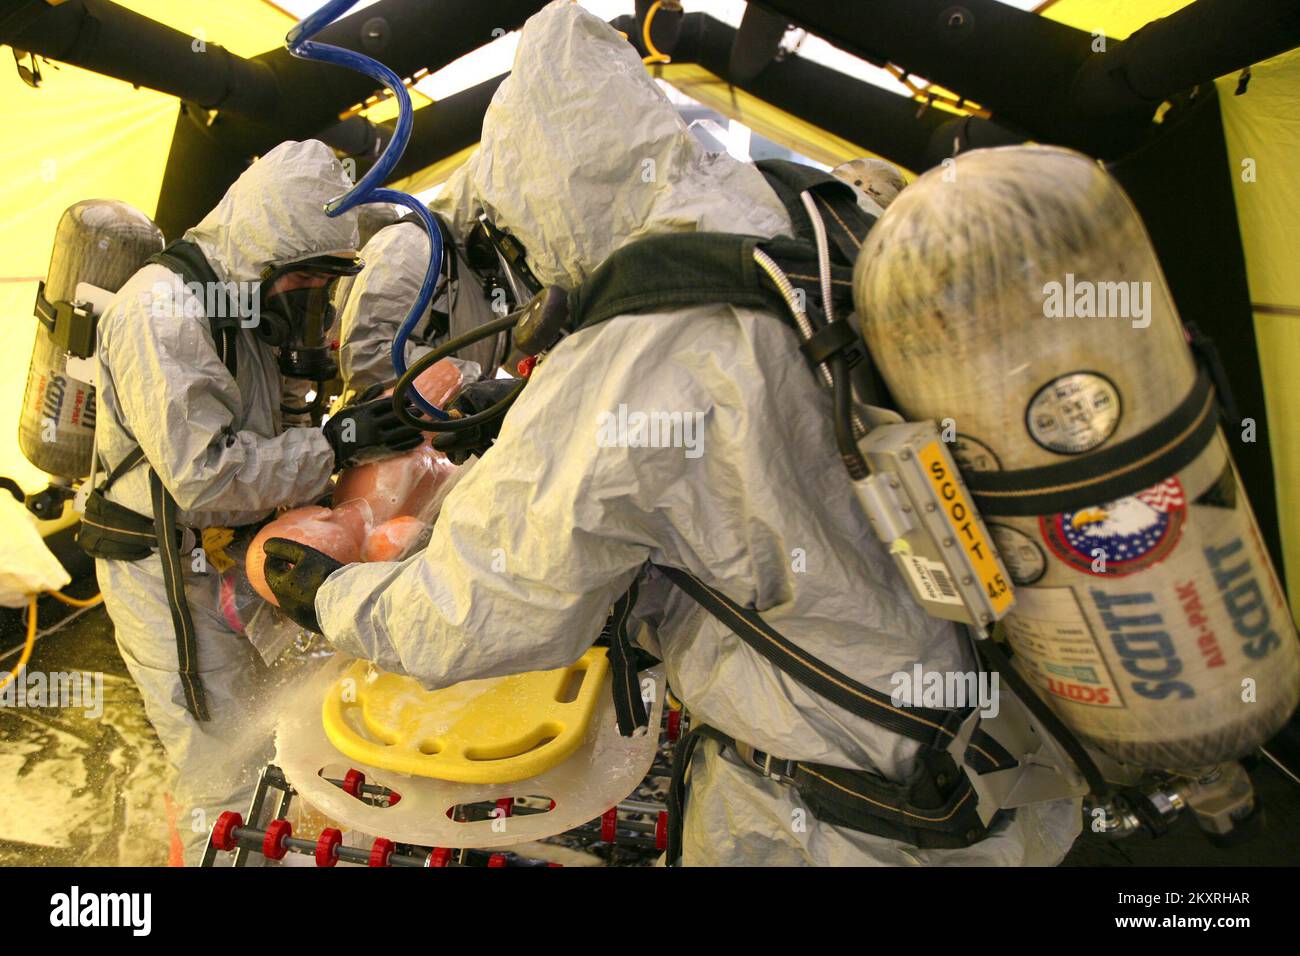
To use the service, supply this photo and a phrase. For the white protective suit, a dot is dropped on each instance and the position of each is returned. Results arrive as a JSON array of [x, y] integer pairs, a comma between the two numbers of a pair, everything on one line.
[[219, 448], [581, 154], [372, 304]]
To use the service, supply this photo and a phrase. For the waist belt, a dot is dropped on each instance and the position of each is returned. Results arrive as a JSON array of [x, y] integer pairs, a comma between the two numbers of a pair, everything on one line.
[[935, 809]]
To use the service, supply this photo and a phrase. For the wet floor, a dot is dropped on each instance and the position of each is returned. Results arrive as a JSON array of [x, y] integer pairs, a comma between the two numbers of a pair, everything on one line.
[[83, 784], [84, 787]]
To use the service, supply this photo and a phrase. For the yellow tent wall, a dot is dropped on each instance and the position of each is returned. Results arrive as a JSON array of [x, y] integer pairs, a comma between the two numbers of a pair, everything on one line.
[[1262, 128], [81, 136]]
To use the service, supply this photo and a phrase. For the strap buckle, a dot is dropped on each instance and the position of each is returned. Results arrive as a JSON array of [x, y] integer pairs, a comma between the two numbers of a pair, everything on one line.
[[763, 763]]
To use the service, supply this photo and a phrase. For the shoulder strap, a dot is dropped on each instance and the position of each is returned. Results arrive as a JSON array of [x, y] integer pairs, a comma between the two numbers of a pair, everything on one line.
[[673, 271], [677, 270], [925, 725], [133, 458], [847, 223], [188, 261]]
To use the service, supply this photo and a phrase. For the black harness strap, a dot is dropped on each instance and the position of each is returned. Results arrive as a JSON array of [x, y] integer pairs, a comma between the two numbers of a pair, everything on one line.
[[116, 533], [935, 809], [847, 224], [1115, 471], [187, 650], [624, 663], [924, 725], [187, 259], [677, 270], [133, 458]]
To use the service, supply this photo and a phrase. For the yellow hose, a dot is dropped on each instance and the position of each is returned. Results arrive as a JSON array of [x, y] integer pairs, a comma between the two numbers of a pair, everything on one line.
[[26, 655], [76, 602], [27, 648], [655, 56]]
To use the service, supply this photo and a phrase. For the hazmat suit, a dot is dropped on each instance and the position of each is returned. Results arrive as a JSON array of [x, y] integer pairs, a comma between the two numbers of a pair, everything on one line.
[[217, 444], [372, 305], [580, 155]]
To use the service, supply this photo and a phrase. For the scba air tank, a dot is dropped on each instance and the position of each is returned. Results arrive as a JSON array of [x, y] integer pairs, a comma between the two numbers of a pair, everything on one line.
[[99, 243], [1014, 297]]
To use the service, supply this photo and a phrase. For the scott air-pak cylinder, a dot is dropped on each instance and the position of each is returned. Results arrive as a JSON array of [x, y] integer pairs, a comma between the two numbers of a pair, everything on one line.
[[1014, 298], [98, 245]]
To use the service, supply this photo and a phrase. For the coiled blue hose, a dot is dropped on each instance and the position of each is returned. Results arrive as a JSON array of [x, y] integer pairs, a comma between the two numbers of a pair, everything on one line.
[[369, 189]]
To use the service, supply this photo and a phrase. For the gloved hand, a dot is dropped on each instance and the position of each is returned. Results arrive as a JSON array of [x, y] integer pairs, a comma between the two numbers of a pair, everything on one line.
[[475, 398], [295, 572], [368, 431]]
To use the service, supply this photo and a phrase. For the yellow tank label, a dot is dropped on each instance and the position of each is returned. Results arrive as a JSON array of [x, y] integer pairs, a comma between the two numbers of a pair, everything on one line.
[[966, 529]]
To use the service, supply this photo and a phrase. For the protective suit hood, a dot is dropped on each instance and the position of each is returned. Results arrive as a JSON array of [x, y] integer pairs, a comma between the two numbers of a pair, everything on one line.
[[274, 213], [638, 170]]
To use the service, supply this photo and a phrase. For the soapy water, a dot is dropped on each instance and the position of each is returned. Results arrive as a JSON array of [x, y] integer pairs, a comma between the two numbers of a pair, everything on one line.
[[93, 787]]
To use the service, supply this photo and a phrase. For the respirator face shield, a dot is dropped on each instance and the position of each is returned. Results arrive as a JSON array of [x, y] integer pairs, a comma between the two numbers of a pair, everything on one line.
[[297, 315], [487, 247]]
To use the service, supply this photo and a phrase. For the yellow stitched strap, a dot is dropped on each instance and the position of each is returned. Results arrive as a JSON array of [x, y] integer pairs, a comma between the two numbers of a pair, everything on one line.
[[496, 730], [215, 542]]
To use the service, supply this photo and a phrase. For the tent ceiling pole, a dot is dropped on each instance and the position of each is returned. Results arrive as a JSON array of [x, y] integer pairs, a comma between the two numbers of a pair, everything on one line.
[[1202, 41], [406, 35], [1043, 76], [106, 38]]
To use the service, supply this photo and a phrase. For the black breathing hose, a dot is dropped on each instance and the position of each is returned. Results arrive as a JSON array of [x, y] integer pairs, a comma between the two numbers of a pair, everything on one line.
[[842, 397], [449, 348]]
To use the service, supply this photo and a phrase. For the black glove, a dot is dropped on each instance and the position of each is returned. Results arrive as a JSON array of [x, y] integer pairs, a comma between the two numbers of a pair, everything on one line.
[[367, 432], [295, 572], [474, 398]]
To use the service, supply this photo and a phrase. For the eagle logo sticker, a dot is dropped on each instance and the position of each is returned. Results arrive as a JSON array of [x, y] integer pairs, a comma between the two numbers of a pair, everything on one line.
[[1119, 537]]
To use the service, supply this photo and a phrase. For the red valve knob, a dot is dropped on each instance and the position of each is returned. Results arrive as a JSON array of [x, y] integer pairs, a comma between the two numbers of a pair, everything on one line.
[[441, 856], [380, 852], [609, 825], [327, 847], [525, 366], [661, 831], [674, 724], [223, 832], [497, 859], [273, 847], [353, 781], [506, 805]]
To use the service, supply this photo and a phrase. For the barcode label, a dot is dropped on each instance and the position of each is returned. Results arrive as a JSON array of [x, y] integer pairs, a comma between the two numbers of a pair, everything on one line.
[[944, 582], [931, 579]]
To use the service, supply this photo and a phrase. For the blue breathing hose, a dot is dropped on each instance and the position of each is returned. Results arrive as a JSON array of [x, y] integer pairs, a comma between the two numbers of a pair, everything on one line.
[[369, 189]]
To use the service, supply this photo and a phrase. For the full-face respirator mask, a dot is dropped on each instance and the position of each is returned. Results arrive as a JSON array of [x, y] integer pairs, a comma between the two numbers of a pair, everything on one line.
[[296, 314]]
